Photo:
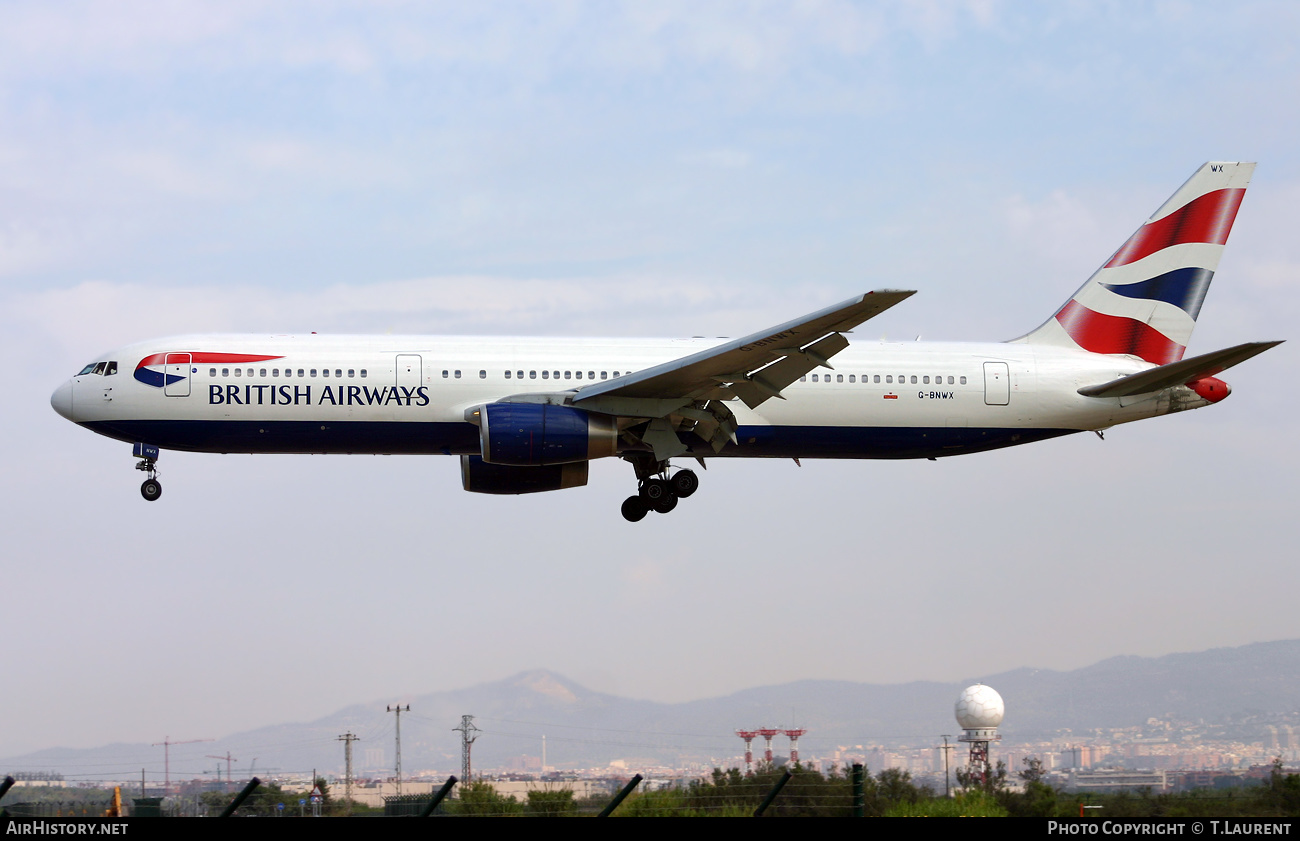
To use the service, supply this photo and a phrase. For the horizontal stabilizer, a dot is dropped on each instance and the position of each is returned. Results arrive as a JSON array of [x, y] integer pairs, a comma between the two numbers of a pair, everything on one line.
[[1178, 373]]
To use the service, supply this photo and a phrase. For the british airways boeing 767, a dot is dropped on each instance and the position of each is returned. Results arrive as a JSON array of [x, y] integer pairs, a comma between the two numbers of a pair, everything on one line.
[[528, 415]]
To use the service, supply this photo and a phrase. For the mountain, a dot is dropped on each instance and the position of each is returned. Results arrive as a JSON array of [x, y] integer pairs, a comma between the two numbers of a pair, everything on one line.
[[583, 728]]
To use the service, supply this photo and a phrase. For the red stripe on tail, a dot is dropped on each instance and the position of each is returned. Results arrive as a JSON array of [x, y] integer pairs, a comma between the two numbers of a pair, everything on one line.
[[1206, 219], [1100, 333]]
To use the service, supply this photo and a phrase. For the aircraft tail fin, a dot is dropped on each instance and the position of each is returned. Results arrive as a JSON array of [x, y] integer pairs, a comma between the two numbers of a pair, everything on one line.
[[1144, 301]]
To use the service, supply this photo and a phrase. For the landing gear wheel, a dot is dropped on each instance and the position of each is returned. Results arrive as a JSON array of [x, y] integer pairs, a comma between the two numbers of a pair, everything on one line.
[[634, 509], [151, 489], [685, 483], [654, 490], [665, 503]]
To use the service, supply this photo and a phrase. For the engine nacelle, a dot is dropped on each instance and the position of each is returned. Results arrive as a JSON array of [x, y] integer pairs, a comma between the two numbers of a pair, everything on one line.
[[539, 434], [477, 476]]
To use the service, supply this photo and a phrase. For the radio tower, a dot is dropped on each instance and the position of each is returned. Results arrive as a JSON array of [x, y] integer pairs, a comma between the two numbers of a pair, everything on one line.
[[767, 733], [794, 744], [465, 729], [347, 739], [399, 709], [748, 736]]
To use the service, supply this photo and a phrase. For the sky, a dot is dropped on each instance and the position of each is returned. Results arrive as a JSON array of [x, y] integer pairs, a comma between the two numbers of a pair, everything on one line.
[[624, 169]]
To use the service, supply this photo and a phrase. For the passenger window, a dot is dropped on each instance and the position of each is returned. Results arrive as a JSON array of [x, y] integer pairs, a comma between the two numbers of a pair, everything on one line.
[[263, 373], [444, 374], [313, 372], [877, 378], [963, 381], [546, 375], [457, 373], [815, 379], [532, 375], [352, 372], [212, 372], [925, 380], [300, 372], [325, 372], [482, 375], [338, 372], [225, 372], [591, 375], [914, 379], [239, 371], [604, 375], [556, 375], [577, 375], [804, 378], [507, 375], [363, 373], [889, 378], [950, 380], [519, 375], [851, 378], [568, 375], [839, 378]]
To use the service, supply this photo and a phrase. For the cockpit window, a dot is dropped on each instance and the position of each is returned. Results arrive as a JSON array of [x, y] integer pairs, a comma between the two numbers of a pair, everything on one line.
[[89, 369], [111, 369]]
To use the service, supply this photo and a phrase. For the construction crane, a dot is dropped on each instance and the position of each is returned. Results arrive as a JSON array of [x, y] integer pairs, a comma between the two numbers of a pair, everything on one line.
[[229, 759], [167, 758]]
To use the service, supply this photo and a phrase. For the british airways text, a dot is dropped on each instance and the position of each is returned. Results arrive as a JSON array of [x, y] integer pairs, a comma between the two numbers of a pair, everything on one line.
[[296, 395]]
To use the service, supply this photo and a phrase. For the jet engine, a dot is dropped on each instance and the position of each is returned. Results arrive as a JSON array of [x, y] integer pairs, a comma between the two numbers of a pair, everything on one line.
[[533, 434], [477, 476]]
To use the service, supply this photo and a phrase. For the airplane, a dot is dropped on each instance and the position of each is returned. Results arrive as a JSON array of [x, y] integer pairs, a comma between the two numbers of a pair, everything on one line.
[[528, 415]]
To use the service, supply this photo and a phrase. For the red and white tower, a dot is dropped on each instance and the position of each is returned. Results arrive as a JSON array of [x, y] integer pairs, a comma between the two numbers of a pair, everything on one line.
[[979, 711], [794, 744], [767, 733], [748, 736]]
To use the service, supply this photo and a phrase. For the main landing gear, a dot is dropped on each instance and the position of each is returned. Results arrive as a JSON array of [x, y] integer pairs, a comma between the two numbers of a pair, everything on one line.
[[657, 491]]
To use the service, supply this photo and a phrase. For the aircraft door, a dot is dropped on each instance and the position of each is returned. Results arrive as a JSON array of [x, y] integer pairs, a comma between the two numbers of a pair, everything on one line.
[[997, 384], [177, 374], [409, 371]]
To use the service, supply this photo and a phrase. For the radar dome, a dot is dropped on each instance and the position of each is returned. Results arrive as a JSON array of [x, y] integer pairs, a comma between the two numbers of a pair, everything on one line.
[[979, 707]]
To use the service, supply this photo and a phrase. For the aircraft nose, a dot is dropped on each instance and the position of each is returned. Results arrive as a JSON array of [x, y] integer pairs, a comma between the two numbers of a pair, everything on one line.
[[61, 400]]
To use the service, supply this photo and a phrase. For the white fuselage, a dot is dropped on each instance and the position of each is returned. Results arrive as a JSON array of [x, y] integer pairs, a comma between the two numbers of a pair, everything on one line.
[[410, 394]]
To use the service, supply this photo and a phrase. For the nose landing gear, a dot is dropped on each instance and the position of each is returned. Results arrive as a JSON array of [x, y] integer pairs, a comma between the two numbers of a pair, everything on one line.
[[151, 489]]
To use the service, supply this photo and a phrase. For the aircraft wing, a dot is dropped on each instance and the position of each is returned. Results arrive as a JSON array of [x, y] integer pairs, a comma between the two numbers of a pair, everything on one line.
[[753, 369]]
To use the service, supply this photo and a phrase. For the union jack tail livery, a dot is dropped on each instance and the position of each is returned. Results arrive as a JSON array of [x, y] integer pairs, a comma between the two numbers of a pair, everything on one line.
[[1144, 301]]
